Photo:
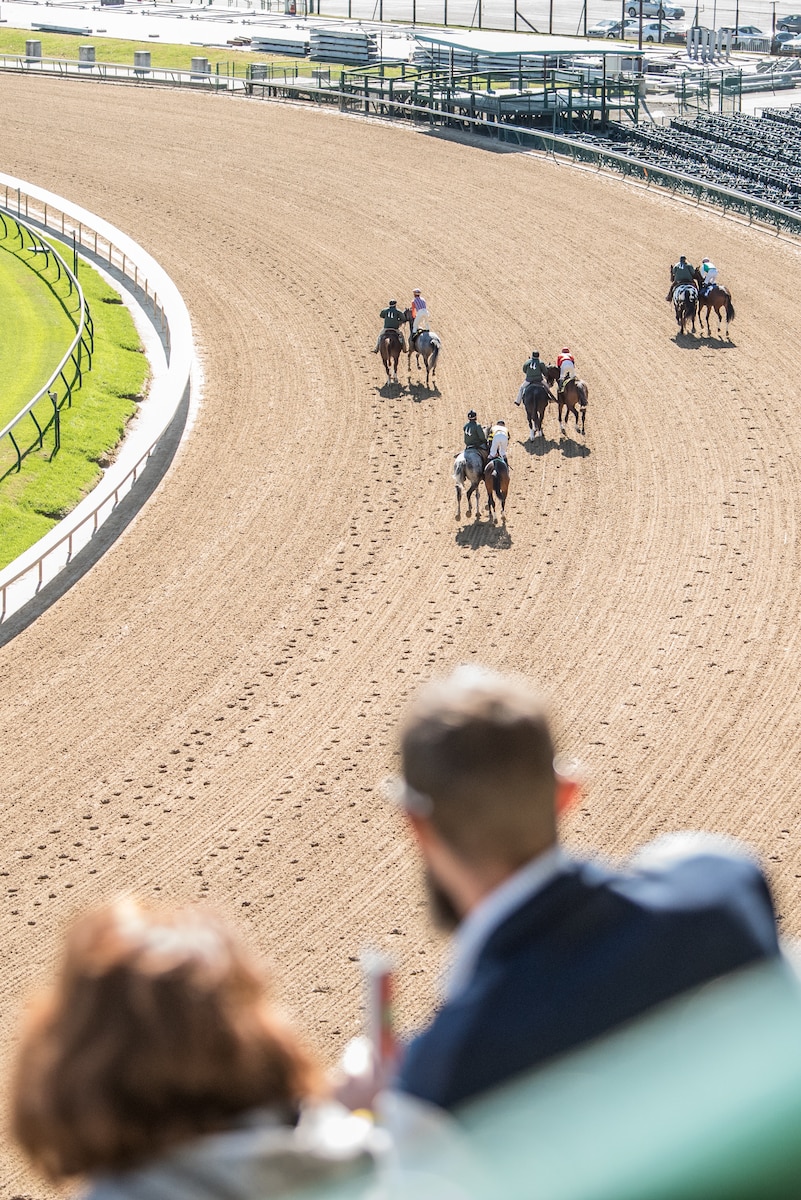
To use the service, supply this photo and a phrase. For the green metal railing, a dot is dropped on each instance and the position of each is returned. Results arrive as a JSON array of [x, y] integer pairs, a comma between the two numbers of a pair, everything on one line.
[[44, 409]]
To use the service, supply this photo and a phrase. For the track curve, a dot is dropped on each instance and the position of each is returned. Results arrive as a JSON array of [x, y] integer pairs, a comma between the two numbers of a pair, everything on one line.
[[208, 713]]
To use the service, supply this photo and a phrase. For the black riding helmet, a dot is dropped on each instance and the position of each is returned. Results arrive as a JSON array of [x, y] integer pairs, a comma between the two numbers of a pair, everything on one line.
[[392, 303], [535, 353], [471, 416]]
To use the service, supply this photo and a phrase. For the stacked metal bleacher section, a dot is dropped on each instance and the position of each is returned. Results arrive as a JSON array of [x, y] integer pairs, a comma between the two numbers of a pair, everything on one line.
[[760, 156]]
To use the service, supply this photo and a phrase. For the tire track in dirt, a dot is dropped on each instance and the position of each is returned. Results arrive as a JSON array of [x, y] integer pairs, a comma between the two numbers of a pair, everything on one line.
[[208, 714]]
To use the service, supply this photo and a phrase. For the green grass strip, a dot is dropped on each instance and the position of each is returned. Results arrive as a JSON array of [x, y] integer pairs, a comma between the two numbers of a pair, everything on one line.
[[48, 487], [36, 311], [166, 56]]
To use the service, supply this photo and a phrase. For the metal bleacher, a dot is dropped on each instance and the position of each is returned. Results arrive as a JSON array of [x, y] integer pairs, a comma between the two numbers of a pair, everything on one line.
[[759, 156]]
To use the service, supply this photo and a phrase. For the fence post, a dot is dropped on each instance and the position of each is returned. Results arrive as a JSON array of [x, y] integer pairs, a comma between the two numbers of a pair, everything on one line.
[[56, 423]]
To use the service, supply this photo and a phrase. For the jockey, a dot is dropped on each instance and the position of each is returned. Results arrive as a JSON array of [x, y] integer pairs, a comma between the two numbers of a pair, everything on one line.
[[709, 274], [419, 311], [567, 367], [499, 439], [393, 319], [475, 437], [534, 371], [680, 272]]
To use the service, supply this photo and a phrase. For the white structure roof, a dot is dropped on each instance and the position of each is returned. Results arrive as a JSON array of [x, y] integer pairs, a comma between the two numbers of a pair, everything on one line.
[[515, 45]]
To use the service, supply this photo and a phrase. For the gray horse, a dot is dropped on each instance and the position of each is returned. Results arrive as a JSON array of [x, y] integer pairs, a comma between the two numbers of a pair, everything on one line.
[[469, 465], [425, 343]]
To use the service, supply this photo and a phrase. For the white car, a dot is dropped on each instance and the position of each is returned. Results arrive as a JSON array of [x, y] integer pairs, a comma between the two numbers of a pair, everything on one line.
[[652, 31], [654, 8]]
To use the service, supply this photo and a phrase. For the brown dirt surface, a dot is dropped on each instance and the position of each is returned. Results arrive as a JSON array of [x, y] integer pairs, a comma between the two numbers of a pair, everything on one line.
[[207, 715]]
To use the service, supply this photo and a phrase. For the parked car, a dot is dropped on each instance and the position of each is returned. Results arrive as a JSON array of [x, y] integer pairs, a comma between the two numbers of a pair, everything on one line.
[[789, 24], [676, 34], [654, 8], [743, 31], [782, 36], [604, 29], [792, 45], [652, 31]]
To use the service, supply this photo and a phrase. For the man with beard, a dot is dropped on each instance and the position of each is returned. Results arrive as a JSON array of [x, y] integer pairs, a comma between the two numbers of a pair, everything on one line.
[[549, 951]]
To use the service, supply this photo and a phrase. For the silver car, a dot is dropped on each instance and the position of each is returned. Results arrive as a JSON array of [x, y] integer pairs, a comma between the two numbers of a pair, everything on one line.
[[654, 8]]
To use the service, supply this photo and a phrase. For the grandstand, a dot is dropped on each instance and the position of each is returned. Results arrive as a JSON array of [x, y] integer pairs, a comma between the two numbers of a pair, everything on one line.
[[760, 156]]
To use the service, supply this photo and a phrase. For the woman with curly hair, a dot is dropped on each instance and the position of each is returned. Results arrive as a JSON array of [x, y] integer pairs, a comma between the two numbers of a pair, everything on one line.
[[158, 1069]]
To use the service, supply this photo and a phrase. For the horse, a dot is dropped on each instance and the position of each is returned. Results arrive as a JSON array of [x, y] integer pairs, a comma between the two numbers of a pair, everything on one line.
[[390, 345], [469, 465], [426, 343], [573, 399], [496, 481], [685, 303], [717, 297], [536, 398]]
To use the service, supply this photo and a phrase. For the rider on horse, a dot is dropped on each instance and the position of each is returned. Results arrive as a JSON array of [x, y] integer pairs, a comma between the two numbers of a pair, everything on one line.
[[709, 274], [680, 272], [419, 311], [475, 436], [499, 439], [567, 368], [535, 373], [393, 319]]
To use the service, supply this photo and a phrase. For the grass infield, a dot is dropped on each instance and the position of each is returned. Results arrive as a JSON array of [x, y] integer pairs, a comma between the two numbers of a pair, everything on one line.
[[166, 56], [48, 487], [36, 329]]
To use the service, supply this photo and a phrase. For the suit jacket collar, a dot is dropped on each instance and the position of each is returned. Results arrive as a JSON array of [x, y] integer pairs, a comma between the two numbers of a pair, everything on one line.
[[482, 923]]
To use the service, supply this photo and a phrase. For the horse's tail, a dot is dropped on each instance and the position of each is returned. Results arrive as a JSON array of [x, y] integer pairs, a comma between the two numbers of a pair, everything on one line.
[[729, 310], [459, 469]]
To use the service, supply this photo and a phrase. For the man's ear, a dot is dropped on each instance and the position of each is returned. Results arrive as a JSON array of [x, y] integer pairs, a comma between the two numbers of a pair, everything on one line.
[[420, 827], [567, 793]]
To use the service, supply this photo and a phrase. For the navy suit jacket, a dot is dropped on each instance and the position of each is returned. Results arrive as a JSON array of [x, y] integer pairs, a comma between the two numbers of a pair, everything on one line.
[[591, 950]]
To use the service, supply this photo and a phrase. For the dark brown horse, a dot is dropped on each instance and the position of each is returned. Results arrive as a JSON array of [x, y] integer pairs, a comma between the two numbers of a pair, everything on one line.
[[717, 297], [685, 304], [390, 345], [496, 479], [573, 399], [536, 398]]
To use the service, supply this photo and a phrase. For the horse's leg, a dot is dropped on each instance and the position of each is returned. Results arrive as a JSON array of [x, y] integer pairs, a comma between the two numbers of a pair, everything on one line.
[[473, 491], [459, 502]]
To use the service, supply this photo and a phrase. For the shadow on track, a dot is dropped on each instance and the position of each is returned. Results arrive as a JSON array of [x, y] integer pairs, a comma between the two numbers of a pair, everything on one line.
[[482, 533]]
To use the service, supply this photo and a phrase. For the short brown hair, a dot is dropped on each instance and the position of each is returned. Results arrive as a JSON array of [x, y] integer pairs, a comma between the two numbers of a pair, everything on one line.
[[478, 745], [158, 1030]]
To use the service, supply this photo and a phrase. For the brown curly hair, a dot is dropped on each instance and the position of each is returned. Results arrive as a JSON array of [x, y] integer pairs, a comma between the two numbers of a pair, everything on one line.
[[158, 1030]]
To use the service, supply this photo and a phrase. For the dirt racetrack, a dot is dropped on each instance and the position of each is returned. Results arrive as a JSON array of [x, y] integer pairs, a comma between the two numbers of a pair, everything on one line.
[[208, 713]]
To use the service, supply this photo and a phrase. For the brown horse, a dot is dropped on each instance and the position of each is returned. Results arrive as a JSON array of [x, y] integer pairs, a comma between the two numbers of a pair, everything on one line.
[[496, 480], [717, 297], [390, 345], [573, 399], [536, 398]]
